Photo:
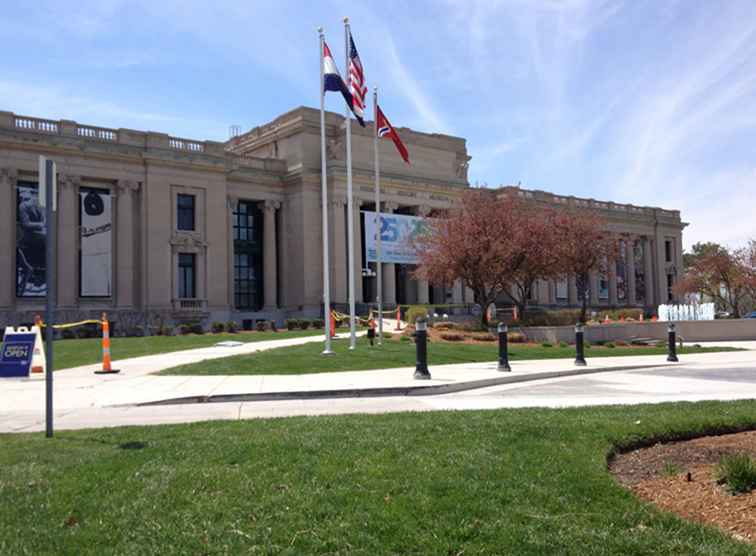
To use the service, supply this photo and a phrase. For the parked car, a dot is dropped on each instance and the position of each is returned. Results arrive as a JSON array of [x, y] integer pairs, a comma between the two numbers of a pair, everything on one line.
[[751, 316], [722, 315]]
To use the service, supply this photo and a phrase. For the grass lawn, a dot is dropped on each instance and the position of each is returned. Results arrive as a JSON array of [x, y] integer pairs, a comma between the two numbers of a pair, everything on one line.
[[308, 359], [524, 482], [73, 353]]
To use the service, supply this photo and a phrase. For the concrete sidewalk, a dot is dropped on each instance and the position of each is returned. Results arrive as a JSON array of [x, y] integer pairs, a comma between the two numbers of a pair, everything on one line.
[[83, 399]]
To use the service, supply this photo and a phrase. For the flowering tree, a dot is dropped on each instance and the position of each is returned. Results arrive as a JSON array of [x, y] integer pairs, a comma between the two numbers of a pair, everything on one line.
[[725, 276], [584, 245], [542, 258], [479, 242]]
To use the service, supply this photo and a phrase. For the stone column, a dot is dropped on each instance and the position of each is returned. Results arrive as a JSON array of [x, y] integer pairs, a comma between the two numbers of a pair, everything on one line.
[[630, 271], [423, 296], [648, 272], [338, 252], [572, 294], [458, 293], [423, 292], [469, 296], [357, 256], [552, 292], [612, 272], [68, 241], [389, 269], [594, 288], [125, 275], [8, 180], [270, 260], [231, 204]]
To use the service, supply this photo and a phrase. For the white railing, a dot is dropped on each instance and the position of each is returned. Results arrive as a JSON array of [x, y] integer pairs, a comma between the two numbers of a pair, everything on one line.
[[101, 133], [36, 124], [186, 145]]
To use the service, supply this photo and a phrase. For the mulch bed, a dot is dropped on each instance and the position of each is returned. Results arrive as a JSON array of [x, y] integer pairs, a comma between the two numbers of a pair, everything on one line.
[[679, 477]]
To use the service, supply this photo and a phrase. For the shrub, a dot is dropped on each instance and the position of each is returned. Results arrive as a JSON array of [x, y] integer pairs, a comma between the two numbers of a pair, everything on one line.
[[546, 344], [304, 324], [446, 325], [483, 337], [165, 330], [516, 338], [609, 345], [232, 327], [261, 325], [563, 344], [559, 317], [738, 472], [184, 328], [196, 328], [217, 327], [405, 339], [318, 323], [414, 312], [452, 337], [291, 324], [135, 332]]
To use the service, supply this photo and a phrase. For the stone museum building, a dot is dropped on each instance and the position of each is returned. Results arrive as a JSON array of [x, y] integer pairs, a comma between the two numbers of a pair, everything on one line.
[[181, 229]]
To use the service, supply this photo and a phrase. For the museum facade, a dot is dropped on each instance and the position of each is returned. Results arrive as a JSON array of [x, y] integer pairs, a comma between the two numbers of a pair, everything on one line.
[[178, 229]]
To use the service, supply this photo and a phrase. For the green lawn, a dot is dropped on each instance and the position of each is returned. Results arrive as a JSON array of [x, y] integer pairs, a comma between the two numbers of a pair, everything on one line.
[[73, 353], [524, 482], [308, 359]]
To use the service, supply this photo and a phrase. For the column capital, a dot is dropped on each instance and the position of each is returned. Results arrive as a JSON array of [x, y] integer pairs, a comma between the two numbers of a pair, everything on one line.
[[423, 210], [127, 187], [270, 205], [390, 207], [69, 181], [337, 203], [9, 175], [357, 203]]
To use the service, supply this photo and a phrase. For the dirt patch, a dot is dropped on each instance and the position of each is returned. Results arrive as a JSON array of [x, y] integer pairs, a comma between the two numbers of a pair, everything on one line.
[[679, 477]]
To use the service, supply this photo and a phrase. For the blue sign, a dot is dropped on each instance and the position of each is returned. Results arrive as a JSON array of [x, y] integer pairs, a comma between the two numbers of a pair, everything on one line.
[[16, 355]]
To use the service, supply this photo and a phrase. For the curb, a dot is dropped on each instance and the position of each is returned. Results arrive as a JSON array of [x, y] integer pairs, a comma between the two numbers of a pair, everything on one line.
[[389, 391]]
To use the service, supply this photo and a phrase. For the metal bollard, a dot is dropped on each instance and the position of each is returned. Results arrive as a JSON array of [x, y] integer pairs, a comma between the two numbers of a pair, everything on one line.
[[579, 348], [672, 343], [503, 348], [421, 346]]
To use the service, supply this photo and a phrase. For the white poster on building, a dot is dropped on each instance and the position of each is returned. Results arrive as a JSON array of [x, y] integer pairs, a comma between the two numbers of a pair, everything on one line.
[[96, 242], [397, 233]]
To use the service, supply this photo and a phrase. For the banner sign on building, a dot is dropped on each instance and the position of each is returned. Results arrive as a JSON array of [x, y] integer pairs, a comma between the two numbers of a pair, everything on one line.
[[16, 354], [96, 242], [31, 233], [397, 233]]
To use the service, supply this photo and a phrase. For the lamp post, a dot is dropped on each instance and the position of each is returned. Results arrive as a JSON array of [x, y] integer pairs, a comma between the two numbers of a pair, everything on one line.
[[421, 348], [579, 348], [503, 348]]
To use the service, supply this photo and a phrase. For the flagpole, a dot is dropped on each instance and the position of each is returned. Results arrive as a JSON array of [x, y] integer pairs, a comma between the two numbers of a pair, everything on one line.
[[379, 277], [350, 202], [324, 201]]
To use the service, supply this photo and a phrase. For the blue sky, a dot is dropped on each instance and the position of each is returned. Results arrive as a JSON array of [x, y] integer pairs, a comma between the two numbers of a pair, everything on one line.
[[644, 101]]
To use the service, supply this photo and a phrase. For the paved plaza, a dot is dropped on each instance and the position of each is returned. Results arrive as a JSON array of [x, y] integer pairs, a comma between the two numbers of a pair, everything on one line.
[[84, 400]]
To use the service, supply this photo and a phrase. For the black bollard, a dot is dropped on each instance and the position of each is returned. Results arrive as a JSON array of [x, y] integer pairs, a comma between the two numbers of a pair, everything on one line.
[[672, 340], [503, 349], [579, 348], [421, 345]]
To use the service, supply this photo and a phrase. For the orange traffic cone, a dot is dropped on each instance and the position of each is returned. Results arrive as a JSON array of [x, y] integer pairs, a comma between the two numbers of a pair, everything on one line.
[[106, 365], [607, 320], [38, 357], [331, 325], [640, 318], [398, 318], [653, 318]]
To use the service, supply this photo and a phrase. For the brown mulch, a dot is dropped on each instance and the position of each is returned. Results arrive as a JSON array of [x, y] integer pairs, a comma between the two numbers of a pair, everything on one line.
[[692, 491]]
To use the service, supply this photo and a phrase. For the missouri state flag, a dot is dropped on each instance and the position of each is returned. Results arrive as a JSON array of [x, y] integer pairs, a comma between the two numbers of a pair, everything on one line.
[[332, 80], [384, 128]]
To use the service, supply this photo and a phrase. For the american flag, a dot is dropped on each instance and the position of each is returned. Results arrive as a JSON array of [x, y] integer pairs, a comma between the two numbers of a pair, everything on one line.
[[356, 82]]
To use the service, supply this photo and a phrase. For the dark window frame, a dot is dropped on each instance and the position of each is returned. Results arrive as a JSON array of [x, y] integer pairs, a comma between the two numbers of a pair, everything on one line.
[[248, 256], [186, 215], [187, 268]]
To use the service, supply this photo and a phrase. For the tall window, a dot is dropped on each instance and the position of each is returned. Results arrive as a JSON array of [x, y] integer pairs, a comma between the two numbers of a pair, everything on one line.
[[185, 214], [668, 251], [247, 256], [187, 275], [603, 281], [622, 271], [561, 290], [640, 272], [670, 284]]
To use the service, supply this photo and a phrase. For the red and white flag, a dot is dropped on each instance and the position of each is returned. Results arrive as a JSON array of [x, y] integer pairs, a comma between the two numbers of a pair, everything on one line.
[[384, 128], [356, 82]]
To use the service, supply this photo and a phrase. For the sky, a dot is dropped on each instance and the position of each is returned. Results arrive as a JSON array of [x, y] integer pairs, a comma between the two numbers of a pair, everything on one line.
[[651, 102]]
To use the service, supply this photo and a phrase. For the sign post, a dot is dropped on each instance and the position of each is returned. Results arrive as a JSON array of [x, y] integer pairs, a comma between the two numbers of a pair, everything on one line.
[[47, 171]]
